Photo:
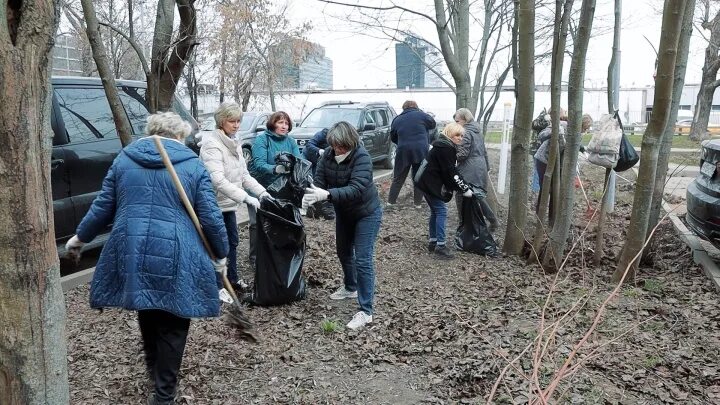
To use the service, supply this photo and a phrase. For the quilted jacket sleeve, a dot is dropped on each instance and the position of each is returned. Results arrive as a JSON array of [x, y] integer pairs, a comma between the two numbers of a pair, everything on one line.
[[248, 182], [212, 156], [360, 179], [319, 178], [209, 214], [102, 210]]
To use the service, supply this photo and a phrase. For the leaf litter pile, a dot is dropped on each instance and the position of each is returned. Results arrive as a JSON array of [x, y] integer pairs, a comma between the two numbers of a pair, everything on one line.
[[443, 330]]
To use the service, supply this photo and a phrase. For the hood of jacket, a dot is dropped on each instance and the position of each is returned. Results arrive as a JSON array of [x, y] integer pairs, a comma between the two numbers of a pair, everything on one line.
[[144, 152]]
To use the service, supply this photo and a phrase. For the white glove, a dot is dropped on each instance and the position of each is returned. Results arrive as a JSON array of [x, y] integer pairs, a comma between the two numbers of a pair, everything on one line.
[[468, 193], [74, 243], [252, 201], [263, 195], [280, 169], [220, 266], [314, 194], [320, 152]]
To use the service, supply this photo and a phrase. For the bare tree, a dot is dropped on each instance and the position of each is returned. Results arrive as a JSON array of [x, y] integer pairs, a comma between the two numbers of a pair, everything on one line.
[[563, 221], [669, 131], [122, 123], [33, 356], [524, 26], [710, 81], [644, 186], [562, 20]]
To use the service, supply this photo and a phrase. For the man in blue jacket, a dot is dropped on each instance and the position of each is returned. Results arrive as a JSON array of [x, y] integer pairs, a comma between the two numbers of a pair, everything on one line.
[[409, 131]]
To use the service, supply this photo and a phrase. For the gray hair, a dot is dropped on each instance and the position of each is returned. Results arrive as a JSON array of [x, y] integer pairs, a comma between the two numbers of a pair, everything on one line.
[[343, 134], [464, 114], [168, 125], [227, 111]]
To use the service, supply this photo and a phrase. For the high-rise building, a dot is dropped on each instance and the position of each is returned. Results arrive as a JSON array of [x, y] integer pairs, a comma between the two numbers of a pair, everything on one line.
[[413, 57], [67, 56], [309, 71]]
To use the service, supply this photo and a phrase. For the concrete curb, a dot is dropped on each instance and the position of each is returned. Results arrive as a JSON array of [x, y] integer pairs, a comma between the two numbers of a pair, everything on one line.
[[699, 253], [85, 276]]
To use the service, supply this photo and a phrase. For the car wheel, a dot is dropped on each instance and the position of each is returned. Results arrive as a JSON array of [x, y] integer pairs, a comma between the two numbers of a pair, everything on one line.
[[389, 162], [247, 154]]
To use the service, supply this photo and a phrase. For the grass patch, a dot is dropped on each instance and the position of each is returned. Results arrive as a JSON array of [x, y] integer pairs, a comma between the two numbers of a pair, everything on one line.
[[653, 285], [652, 361], [329, 326]]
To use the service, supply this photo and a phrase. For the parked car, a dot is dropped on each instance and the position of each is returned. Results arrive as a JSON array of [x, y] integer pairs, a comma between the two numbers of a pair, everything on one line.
[[703, 194], [85, 144], [253, 122], [372, 121]]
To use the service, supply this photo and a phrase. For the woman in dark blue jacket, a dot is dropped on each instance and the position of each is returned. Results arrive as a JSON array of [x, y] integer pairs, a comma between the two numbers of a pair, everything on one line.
[[344, 177], [154, 261]]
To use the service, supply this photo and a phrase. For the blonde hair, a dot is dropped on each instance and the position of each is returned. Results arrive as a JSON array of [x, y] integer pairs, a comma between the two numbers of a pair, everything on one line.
[[226, 112], [453, 130], [168, 125]]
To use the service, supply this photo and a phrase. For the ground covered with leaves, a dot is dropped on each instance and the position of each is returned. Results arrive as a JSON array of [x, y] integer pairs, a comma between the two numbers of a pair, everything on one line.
[[443, 330]]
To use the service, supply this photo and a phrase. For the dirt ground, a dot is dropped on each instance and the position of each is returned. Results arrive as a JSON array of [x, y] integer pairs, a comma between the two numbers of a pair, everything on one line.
[[442, 333]]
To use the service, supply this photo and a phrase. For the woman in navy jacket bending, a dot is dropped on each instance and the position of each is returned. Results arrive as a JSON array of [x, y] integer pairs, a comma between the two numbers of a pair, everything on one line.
[[154, 261]]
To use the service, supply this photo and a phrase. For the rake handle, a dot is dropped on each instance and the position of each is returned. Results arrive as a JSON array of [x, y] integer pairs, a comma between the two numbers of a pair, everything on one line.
[[191, 211]]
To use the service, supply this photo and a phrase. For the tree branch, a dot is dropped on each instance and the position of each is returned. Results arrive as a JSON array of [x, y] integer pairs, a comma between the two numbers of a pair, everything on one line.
[[393, 7], [130, 40]]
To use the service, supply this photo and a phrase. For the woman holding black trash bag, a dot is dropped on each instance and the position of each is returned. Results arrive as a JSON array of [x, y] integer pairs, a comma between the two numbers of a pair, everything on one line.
[[263, 168], [154, 261], [344, 177], [231, 180], [438, 179]]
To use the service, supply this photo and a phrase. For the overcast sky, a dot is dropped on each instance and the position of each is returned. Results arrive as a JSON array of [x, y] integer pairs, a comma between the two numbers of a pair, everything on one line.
[[362, 61]]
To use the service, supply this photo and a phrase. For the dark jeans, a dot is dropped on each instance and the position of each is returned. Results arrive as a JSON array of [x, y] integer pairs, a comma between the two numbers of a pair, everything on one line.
[[233, 239], [355, 243], [438, 218], [399, 176], [164, 336], [541, 167], [488, 213]]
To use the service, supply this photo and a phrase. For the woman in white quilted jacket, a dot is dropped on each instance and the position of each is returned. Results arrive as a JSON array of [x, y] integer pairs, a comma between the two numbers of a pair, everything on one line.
[[231, 180]]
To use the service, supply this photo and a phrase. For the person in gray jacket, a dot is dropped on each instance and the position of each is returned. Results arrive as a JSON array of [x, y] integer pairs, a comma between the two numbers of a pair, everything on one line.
[[472, 163]]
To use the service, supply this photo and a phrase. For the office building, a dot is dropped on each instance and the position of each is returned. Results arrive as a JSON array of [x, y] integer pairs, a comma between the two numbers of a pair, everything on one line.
[[413, 59]]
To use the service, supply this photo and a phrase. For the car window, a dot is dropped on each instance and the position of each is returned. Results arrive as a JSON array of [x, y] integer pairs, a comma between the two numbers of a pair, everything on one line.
[[381, 117], [327, 117], [247, 122], [133, 98], [86, 113], [369, 117]]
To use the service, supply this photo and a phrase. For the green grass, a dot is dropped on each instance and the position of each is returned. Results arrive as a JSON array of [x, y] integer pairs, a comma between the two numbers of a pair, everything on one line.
[[653, 285], [679, 141], [329, 326], [652, 361]]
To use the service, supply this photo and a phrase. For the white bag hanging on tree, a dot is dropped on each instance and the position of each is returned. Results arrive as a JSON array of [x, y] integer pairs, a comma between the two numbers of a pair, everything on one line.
[[604, 147]]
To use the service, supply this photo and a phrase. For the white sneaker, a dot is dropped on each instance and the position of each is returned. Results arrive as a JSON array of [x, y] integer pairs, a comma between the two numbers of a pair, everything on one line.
[[242, 284], [359, 320], [225, 296], [342, 294]]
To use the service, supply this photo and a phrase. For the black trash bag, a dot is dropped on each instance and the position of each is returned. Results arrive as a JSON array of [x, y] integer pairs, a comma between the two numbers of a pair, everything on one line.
[[628, 155], [280, 251], [291, 186], [472, 235]]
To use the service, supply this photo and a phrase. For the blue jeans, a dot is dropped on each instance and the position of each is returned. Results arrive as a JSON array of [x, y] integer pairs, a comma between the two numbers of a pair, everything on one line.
[[355, 240], [232, 234], [438, 218]]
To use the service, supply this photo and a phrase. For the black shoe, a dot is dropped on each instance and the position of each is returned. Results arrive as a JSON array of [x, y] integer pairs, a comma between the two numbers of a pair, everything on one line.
[[443, 252], [431, 246]]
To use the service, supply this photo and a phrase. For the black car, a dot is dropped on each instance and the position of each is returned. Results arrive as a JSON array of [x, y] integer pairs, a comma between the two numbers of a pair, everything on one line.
[[703, 194], [372, 121], [85, 143]]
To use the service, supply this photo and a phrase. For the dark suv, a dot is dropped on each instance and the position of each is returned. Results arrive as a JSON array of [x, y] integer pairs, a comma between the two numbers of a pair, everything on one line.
[[85, 143], [372, 121]]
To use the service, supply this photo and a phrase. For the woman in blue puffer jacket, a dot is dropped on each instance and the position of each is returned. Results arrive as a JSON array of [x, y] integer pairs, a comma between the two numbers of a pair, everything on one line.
[[154, 261], [271, 143]]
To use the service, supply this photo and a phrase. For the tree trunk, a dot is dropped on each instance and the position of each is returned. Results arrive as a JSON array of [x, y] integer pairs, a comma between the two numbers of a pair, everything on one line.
[[636, 232], [271, 92], [613, 101], [168, 58], [33, 357], [524, 105], [669, 131], [564, 216], [709, 82], [122, 124], [560, 30], [223, 63]]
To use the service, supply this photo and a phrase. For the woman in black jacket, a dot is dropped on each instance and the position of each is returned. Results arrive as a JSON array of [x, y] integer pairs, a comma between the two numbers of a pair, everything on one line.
[[344, 177], [438, 181]]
